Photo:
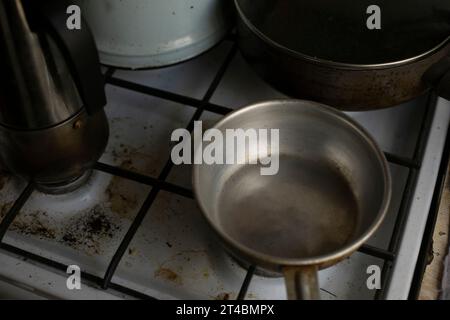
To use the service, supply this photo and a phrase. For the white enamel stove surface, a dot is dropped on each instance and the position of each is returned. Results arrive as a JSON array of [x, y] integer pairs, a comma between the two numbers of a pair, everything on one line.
[[174, 255]]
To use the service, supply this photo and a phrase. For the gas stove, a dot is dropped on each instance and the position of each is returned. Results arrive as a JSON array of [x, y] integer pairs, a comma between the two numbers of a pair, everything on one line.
[[134, 228]]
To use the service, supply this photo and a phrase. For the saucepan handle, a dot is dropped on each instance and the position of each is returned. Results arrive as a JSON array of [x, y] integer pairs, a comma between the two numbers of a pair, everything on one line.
[[302, 283], [438, 76]]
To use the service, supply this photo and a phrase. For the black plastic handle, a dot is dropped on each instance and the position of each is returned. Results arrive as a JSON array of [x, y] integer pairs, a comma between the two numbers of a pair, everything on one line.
[[443, 88], [438, 76], [78, 46]]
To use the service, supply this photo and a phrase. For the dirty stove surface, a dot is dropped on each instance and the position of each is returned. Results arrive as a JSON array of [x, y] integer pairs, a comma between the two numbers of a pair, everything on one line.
[[173, 254]]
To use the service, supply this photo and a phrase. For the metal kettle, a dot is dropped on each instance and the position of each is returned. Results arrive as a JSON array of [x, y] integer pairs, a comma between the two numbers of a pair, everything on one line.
[[53, 127]]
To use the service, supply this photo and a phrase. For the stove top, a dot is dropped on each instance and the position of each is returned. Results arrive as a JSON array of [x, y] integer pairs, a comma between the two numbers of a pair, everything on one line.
[[135, 230]]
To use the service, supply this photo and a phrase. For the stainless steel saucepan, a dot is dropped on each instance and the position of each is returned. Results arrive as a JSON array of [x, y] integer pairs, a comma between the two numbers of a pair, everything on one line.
[[331, 193]]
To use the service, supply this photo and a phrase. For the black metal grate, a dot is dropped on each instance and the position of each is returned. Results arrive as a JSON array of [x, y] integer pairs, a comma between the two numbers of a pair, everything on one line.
[[160, 184]]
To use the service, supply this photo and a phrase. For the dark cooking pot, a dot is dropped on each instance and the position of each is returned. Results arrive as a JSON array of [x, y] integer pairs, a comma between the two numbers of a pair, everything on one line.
[[323, 50]]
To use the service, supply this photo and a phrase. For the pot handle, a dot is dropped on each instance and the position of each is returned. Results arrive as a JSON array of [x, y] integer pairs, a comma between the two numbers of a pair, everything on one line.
[[302, 283], [438, 76]]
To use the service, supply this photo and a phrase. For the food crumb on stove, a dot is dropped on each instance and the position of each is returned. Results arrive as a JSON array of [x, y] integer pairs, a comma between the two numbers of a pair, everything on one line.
[[169, 244], [32, 224], [223, 296], [87, 231], [69, 238], [132, 251], [252, 296]]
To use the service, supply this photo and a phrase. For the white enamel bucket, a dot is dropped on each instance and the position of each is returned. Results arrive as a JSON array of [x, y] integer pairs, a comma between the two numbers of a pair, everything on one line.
[[155, 33]]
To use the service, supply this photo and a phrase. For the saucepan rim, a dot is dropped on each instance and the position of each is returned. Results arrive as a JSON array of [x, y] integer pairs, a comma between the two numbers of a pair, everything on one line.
[[330, 63], [322, 259]]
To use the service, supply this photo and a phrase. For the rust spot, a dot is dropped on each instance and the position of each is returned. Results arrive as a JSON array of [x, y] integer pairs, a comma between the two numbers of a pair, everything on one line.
[[169, 275]]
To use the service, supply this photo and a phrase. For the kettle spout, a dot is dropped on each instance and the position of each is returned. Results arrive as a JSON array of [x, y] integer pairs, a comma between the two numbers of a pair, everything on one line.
[[37, 90]]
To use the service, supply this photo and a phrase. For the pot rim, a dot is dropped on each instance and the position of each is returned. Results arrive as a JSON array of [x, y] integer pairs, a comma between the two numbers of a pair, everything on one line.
[[331, 63]]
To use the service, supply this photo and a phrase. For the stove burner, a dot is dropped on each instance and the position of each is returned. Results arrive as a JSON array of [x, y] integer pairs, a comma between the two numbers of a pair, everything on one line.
[[64, 187]]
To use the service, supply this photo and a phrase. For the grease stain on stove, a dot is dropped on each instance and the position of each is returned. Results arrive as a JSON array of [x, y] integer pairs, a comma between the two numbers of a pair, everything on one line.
[[135, 159], [32, 224], [252, 296], [4, 178], [223, 296], [121, 198], [183, 267], [169, 275], [86, 232], [184, 255], [35, 224], [4, 209], [168, 208]]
